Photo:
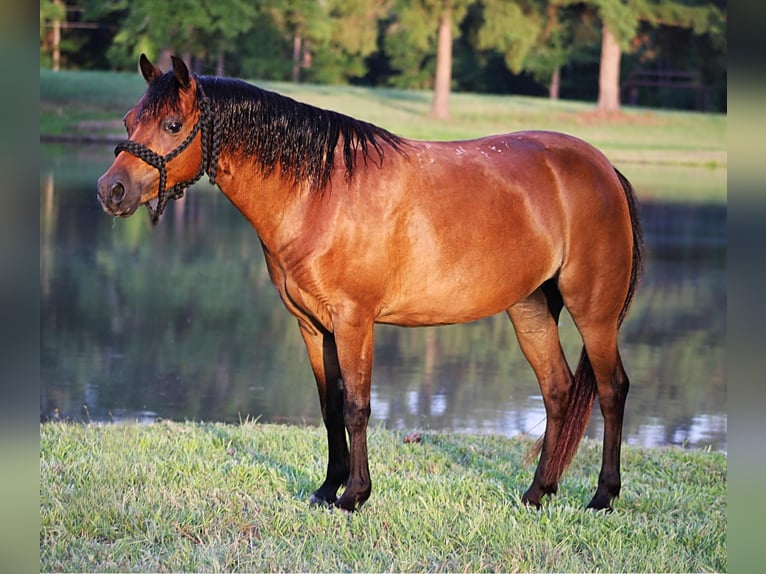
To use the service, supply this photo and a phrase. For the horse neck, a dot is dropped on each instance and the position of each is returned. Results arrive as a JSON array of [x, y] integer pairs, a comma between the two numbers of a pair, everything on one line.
[[274, 205]]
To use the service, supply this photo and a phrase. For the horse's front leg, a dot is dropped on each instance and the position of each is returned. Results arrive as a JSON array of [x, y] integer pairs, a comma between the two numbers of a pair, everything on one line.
[[354, 339], [323, 356]]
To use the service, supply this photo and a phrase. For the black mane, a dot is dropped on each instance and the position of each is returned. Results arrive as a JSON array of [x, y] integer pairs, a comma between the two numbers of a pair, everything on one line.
[[275, 130]]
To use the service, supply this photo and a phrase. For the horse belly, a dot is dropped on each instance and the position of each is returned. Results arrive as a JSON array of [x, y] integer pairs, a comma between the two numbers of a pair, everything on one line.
[[469, 273]]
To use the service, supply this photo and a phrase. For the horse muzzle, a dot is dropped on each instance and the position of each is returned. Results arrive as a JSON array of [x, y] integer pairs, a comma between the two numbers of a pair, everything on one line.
[[117, 196]]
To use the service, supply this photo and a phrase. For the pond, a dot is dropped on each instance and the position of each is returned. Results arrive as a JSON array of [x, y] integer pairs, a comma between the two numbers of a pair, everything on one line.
[[181, 322]]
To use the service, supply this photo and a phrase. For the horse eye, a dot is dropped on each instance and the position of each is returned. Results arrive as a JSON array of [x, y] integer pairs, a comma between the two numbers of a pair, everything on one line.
[[172, 126]]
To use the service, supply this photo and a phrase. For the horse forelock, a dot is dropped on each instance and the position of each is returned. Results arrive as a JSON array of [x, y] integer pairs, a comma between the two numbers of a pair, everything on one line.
[[161, 96], [278, 132]]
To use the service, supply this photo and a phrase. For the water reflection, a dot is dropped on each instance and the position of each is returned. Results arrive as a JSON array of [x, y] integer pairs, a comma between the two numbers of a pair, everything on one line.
[[181, 322]]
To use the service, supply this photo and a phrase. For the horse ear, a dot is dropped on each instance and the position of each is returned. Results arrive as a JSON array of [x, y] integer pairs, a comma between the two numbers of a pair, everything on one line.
[[181, 72], [148, 70]]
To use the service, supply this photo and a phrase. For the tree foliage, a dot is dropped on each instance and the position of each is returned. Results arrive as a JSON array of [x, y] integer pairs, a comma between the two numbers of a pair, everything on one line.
[[394, 42], [513, 28]]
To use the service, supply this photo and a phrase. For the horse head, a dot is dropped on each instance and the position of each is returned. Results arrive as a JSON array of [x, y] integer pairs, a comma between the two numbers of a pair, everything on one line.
[[167, 147]]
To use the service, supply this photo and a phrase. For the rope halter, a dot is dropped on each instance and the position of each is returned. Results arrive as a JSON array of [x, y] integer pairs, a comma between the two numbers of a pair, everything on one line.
[[206, 123]]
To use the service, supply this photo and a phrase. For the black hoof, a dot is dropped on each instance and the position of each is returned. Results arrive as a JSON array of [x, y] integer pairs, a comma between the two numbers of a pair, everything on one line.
[[319, 500], [534, 495], [350, 502], [526, 501], [598, 504]]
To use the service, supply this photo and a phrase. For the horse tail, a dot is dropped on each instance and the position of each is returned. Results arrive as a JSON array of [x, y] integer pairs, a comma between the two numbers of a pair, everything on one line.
[[637, 266], [583, 392]]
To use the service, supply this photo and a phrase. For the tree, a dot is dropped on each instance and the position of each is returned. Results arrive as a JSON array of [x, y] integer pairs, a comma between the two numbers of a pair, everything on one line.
[[52, 14], [450, 13], [540, 36], [354, 34], [567, 37], [512, 27], [443, 78], [620, 21], [326, 42], [428, 44], [202, 28], [421, 30], [409, 43], [535, 36]]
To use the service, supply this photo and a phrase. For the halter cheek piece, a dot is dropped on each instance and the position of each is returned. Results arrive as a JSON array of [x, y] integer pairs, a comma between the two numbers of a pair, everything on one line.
[[210, 147]]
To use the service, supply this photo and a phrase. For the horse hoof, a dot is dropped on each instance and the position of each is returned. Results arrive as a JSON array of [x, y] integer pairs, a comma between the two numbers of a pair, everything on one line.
[[598, 505], [531, 503], [532, 497], [347, 505], [316, 500]]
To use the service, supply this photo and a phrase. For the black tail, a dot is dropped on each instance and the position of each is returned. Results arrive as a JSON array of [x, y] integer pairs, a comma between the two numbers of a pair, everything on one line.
[[638, 243]]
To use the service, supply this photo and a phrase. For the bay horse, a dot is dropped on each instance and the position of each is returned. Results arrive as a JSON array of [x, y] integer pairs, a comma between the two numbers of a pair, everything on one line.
[[360, 226]]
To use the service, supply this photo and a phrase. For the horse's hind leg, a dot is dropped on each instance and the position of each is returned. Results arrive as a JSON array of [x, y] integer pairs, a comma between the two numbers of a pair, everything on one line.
[[323, 356], [535, 322], [612, 383], [596, 315]]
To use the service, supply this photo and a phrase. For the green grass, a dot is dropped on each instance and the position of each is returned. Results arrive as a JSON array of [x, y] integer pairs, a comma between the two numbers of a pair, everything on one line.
[[213, 497], [93, 103], [667, 155]]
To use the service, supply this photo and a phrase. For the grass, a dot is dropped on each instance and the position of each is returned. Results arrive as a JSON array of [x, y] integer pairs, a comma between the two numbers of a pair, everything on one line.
[[214, 497], [88, 104], [667, 155]]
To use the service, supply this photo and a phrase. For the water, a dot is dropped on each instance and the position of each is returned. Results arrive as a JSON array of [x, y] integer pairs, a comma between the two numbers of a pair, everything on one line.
[[181, 322]]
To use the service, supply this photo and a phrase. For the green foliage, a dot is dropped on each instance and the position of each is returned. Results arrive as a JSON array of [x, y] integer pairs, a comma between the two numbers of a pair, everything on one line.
[[623, 16], [265, 52], [49, 11], [350, 35], [410, 41], [511, 28], [183, 26], [410, 44], [379, 41]]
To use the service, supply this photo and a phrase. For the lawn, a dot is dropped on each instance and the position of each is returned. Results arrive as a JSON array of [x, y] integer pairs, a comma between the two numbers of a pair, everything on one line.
[[91, 104], [214, 497]]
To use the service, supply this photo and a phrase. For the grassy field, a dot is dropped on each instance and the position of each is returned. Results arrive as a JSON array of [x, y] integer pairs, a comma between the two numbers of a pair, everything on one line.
[[91, 104], [212, 497]]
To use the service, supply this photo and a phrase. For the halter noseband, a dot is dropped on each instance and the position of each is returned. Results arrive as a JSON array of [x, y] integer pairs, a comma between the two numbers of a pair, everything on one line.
[[206, 123]]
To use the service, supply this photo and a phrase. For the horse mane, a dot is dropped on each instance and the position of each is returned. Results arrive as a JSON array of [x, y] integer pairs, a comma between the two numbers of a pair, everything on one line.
[[278, 131]]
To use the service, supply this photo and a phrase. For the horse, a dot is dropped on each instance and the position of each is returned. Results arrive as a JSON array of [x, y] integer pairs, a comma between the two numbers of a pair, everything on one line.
[[360, 226]]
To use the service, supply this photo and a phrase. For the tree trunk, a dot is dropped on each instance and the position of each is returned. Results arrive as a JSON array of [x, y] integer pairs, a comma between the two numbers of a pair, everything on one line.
[[220, 63], [553, 89], [609, 73], [164, 61], [57, 40], [297, 43], [440, 103]]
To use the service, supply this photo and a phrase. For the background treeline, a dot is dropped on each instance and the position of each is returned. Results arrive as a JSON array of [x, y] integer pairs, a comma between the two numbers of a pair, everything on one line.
[[613, 51]]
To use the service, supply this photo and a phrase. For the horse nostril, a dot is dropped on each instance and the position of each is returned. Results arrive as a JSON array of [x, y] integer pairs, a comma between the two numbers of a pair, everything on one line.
[[117, 193]]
